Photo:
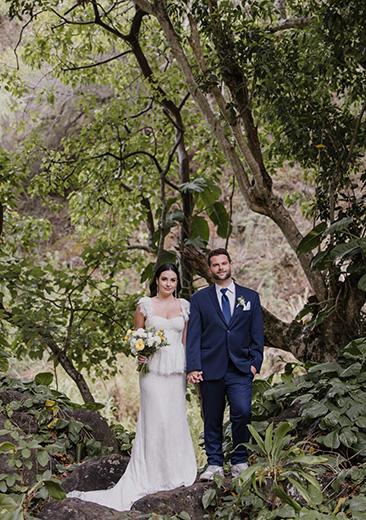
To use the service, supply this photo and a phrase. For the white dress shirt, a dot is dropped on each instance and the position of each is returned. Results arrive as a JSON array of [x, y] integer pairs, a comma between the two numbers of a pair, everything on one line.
[[230, 293]]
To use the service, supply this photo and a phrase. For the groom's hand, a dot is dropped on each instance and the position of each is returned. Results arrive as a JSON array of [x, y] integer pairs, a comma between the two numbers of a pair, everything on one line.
[[195, 376], [253, 370]]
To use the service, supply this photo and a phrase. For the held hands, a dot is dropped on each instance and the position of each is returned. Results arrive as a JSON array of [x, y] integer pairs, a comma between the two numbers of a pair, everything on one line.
[[195, 376], [142, 359]]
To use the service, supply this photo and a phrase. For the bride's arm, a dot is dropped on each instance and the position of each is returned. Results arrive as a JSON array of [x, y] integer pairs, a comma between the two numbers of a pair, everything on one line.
[[184, 335], [139, 319], [140, 324]]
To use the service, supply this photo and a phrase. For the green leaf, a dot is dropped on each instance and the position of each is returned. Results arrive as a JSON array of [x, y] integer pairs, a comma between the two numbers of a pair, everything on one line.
[[197, 185], [42, 457], [362, 283], [309, 459], [331, 440], [94, 407], [279, 437], [321, 261], [347, 437], [257, 438], [326, 368], [184, 515], [44, 378], [312, 239], [268, 438], [352, 370], [315, 410], [8, 503], [7, 446], [358, 503], [221, 218], [350, 248], [208, 498], [339, 226], [200, 228], [282, 495], [55, 489], [301, 489]]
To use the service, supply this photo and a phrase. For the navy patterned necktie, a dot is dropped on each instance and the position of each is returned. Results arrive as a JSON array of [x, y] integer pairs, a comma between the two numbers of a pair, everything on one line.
[[225, 305]]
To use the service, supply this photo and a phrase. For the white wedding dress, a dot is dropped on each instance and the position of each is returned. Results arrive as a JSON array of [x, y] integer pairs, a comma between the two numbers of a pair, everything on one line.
[[162, 456]]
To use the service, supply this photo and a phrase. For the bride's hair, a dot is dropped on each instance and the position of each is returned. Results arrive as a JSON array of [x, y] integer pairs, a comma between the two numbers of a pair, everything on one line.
[[164, 267]]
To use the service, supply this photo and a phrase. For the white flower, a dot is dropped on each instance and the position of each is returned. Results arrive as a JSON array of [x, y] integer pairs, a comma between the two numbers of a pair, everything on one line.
[[241, 301]]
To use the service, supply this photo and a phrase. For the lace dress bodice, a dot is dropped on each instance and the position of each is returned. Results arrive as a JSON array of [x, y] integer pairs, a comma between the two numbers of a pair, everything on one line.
[[170, 359]]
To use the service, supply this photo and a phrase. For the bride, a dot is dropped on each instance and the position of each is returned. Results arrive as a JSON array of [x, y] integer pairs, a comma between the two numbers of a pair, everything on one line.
[[162, 456]]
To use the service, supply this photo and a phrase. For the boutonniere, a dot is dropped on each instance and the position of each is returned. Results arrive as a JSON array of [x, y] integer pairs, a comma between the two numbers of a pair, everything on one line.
[[242, 303]]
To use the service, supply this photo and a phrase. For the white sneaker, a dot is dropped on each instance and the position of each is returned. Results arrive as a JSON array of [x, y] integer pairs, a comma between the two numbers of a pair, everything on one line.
[[236, 469], [211, 471]]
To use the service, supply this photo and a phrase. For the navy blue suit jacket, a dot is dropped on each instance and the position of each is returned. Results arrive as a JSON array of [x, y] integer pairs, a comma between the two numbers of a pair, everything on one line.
[[210, 340]]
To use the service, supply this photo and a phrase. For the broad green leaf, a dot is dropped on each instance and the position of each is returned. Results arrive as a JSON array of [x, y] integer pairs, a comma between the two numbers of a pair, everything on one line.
[[326, 368], [282, 495], [350, 371], [200, 228], [7, 446], [331, 440], [221, 218], [301, 489], [348, 249], [338, 226], [94, 407], [279, 437], [362, 283], [321, 261], [208, 498], [42, 457], [55, 489], [312, 239], [196, 185], [310, 459], [183, 515], [347, 437], [268, 439], [358, 503], [8, 503], [257, 438], [316, 409]]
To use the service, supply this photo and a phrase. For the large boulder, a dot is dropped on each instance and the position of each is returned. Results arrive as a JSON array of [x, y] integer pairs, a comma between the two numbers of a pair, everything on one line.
[[100, 429], [170, 503], [99, 473], [75, 509]]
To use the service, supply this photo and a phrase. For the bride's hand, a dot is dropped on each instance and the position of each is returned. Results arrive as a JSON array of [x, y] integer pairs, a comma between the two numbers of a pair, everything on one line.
[[142, 359]]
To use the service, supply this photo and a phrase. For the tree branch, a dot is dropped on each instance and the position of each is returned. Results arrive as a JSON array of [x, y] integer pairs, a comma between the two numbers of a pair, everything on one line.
[[82, 67], [291, 23]]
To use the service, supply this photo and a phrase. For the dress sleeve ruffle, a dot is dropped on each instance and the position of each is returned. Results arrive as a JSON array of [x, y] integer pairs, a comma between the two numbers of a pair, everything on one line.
[[145, 306], [185, 308]]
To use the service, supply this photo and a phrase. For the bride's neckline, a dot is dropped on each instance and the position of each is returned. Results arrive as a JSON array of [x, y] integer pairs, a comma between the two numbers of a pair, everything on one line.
[[158, 316]]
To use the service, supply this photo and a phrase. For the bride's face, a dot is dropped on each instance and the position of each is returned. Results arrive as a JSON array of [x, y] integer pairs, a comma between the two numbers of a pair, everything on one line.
[[167, 282]]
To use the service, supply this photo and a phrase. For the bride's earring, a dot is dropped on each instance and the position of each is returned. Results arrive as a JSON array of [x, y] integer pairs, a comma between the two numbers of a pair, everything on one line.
[[176, 292], [157, 290]]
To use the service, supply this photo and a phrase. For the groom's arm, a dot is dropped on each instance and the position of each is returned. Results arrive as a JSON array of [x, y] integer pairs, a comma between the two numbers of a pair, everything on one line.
[[257, 336], [193, 345]]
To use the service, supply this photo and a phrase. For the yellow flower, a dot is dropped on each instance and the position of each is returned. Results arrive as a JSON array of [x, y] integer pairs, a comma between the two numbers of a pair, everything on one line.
[[129, 332], [139, 345]]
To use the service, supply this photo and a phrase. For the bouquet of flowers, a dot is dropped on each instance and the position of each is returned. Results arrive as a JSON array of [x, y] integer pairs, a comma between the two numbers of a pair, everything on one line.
[[145, 342]]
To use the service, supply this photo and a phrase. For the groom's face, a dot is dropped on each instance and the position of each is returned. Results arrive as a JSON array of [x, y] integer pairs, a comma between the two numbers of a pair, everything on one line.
[[220, 267]]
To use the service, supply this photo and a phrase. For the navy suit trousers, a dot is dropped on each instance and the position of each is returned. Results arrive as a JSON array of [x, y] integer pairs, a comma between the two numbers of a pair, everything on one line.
[[237, 386]]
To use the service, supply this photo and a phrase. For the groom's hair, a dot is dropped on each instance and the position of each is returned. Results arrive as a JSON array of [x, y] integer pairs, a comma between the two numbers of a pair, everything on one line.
[[216, 252]]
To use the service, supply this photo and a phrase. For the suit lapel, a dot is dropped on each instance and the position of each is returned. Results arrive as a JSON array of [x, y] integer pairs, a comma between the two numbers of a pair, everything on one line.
[[215, 302], [237, 307]]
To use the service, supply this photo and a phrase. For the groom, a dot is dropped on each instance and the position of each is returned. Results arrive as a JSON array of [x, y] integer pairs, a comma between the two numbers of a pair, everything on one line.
[[224, 352]]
